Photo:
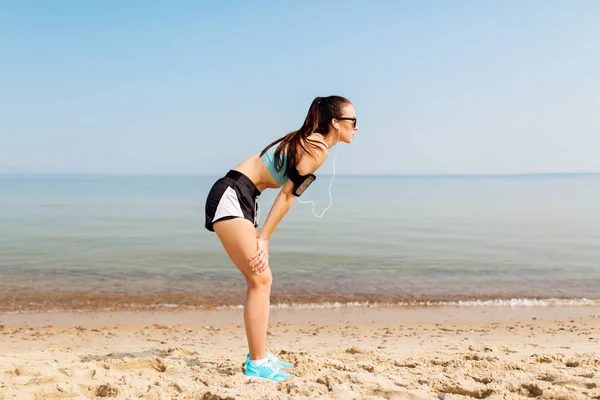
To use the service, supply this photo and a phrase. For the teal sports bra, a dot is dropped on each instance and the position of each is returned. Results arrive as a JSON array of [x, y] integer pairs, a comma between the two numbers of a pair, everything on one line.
[[269, 160]]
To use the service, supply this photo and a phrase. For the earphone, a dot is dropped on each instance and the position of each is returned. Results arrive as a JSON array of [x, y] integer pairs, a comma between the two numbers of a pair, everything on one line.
[[330, 183]]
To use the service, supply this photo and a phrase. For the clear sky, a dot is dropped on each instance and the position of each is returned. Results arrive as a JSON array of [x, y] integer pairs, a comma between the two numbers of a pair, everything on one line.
[[195, 87]]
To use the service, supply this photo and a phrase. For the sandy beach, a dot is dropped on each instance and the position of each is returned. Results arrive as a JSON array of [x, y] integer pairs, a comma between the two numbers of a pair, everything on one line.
[[341, 353]]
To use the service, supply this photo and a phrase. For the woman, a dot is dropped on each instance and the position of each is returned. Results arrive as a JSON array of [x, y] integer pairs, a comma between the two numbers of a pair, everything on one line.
[[232, 213]]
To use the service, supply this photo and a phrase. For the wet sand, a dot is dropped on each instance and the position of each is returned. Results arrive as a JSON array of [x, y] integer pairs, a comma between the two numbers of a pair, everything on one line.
[[344, 353]]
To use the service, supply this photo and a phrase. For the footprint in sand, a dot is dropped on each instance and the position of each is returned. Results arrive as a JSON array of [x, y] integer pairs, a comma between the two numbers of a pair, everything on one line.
[[154, 363], [177, 351]]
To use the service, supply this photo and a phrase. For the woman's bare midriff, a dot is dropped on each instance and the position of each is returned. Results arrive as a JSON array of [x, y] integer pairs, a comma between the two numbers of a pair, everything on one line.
[[255, 169]]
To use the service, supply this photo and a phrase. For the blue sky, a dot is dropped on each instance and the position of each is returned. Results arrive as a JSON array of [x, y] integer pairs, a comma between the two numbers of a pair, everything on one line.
[[439, 87]]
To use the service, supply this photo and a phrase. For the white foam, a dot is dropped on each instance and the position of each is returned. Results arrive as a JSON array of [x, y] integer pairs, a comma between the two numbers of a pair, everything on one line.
[[515, 302], [523, 303], [518, 302]]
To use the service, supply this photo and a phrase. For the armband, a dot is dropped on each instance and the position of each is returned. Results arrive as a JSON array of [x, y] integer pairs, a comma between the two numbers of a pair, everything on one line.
[[301, 182]]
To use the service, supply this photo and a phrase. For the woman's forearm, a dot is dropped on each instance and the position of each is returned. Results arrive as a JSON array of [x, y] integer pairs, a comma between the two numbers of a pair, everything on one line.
[[281, 206]]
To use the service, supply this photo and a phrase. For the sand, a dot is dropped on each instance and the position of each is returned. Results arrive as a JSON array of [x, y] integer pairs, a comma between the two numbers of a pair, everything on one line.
[[345, 353]]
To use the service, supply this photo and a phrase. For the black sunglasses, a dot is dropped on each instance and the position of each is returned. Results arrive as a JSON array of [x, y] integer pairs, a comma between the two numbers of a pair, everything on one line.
[[347, 119]]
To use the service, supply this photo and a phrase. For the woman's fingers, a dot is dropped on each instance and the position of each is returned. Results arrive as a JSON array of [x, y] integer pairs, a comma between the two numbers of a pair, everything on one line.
[[255, 255], [254, 259], [260, 259], [264, 268], [257, 262], [263, 263]]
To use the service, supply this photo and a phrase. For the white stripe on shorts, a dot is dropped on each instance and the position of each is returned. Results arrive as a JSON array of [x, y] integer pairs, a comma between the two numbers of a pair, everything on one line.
[[229, 205]]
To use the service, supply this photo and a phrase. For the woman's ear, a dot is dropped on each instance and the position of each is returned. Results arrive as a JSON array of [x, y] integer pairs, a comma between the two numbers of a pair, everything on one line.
[[335, 124]]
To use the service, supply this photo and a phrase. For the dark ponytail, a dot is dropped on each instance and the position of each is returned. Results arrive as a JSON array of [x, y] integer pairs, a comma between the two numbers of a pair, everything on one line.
[[320, 113]]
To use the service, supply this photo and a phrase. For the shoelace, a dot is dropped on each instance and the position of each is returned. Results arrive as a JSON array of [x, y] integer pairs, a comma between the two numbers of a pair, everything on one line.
[[274, 366]]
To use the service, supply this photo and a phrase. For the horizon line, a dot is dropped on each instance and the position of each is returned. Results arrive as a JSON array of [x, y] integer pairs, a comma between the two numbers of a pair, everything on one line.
[[374, 175]]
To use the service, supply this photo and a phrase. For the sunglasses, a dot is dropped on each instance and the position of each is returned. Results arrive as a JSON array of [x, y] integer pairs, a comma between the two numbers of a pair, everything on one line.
[[348, 119]]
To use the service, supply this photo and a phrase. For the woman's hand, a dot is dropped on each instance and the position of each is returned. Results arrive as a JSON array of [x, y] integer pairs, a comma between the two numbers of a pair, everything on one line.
[[260, 260]]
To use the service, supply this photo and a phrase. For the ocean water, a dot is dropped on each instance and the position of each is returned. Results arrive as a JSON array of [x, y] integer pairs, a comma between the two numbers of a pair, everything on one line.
[[106, 242]]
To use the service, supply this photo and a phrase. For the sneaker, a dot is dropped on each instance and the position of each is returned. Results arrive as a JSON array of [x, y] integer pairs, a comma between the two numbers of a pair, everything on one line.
[[274, 359], [268, 371]]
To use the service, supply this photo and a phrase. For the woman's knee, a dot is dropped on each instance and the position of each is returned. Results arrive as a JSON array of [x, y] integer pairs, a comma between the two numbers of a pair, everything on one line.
[[262, 280]]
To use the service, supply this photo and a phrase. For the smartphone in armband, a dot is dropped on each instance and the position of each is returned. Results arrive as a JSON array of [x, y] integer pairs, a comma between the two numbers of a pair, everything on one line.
[[301, 182], [306, 181]]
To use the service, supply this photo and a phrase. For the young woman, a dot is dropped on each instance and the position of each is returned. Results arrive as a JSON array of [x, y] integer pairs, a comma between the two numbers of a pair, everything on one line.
[[232, 212]]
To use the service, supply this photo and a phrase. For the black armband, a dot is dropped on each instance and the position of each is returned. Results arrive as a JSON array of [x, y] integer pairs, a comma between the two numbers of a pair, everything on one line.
[[301, 182]]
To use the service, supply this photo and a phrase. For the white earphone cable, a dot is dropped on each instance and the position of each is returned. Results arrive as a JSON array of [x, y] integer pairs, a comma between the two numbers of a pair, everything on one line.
[[330, 183]]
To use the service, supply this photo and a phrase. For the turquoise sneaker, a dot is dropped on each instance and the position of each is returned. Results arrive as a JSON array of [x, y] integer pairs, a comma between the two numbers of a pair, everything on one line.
[[268, 371], [275, 360]]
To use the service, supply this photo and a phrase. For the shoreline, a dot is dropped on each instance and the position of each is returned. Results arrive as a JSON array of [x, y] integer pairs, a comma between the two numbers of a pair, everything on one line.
[[44, 301]]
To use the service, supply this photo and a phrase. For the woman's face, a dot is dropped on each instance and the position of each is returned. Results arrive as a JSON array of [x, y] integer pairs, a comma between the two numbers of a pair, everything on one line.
[[348, 126]]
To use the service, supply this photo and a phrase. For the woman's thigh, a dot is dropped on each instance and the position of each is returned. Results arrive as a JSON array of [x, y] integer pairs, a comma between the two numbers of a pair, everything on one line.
[[238, 236]]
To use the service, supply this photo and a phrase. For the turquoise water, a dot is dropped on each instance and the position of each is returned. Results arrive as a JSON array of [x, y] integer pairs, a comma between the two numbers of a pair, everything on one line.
[[141, 239]]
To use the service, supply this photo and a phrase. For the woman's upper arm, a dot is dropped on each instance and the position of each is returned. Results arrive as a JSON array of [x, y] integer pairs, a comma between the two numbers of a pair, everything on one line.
[[309, 163]]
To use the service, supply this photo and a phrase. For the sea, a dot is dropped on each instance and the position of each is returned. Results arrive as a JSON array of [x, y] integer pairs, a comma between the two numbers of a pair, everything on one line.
[[108, 242]]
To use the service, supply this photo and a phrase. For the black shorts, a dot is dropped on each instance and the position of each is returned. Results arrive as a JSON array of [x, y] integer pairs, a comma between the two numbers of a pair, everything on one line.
[[233, 196]]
